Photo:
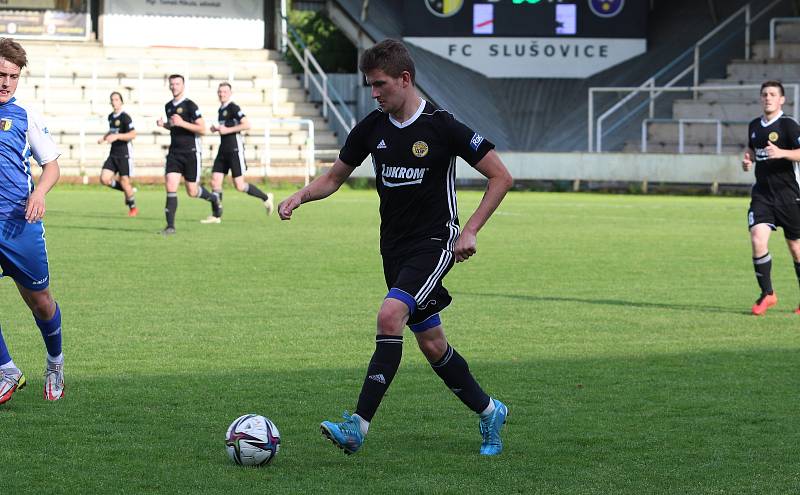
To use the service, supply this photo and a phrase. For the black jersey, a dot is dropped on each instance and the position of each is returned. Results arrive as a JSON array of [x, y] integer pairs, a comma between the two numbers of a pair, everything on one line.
[[230, 115], [183, 141], [776, 180], [120, 123], [415, 174]]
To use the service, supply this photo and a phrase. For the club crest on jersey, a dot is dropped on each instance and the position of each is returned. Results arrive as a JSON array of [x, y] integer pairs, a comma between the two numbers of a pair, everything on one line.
[[179, 110], [773, 136], [224, 113], [116, 123], [420, 149], [606, 8], [5, 124]]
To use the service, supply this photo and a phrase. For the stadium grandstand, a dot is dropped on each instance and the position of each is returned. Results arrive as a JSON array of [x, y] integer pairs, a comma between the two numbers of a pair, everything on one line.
[[572, 80]]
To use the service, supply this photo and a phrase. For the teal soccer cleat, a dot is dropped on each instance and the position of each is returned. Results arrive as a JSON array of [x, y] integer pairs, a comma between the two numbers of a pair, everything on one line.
[[345, 435], [490, 427]]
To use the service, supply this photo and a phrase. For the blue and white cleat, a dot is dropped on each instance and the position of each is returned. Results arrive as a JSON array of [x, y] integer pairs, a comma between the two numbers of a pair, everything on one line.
[[490, 427], [345, 435]]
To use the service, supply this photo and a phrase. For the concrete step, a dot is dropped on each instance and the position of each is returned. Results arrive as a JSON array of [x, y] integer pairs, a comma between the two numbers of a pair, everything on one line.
[[244, 96], [784, 50], [670, 147], [157, 154], [43, 49], [155, 110], [787, 71], [277, 138], [728, 111], [787, 32], [697, 133]]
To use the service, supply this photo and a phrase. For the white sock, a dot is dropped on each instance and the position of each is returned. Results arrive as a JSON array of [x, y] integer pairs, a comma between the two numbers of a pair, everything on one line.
[[9, 366], [489, 409], [363, 424], [56, 360]]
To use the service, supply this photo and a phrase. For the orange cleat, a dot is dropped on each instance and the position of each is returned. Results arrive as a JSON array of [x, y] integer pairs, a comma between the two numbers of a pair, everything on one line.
[[133, 212], [764, 302], [797, 311]]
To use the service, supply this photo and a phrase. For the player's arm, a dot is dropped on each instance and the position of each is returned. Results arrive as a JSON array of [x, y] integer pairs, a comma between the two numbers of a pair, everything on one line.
[[500, 181], [774, 153], [127, 136], [747, 160], [243, 125], [104, 138], [34, 210], [321, 187], [198, 126]]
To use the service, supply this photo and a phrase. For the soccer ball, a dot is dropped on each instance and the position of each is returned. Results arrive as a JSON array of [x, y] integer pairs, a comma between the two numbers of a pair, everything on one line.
[[252, 440]]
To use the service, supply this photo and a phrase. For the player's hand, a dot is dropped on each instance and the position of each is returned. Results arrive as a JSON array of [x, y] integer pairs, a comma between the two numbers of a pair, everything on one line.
[[101, 140], [160, 122], [111, 138], [176, 120], [222, 130], [747, 161], [288, 205], [34, 210], [466, 246], [773, 152], [214, 128]]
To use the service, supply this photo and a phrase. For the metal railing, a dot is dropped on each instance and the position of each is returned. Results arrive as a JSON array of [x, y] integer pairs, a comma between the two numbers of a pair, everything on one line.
[[674, 89], [266, 156], [320, 81], [772, 26], [649, 85]]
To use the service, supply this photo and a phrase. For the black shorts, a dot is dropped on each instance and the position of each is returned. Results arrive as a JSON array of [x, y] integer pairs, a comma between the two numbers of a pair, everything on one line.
[[119, 164], [416, 280], [185, 163], [230, 160], [786, 216]]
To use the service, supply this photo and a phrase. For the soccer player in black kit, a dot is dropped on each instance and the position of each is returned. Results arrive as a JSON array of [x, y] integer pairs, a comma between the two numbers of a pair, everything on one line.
[[773, 142], [413, 146], [120, 135], [186, 125], [231, 121]]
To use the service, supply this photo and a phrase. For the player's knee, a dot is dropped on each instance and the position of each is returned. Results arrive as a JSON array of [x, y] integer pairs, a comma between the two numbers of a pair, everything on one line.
[[390, 322], [433, 349], [42, 305], [241, 187]]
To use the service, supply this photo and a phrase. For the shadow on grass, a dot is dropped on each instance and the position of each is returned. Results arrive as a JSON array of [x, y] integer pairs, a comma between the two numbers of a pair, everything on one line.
[[610, 302], [705, 422]]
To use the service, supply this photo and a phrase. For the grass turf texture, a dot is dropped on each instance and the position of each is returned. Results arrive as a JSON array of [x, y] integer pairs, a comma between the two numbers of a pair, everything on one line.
[[616, 328]]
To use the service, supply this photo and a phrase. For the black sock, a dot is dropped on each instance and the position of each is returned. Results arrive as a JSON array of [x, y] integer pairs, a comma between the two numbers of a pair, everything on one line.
[[454, 371], [171, 208], [115, 185], [131, 202], [797, 270], [381, 371], [216, 208], [763, 267], [254, 191]]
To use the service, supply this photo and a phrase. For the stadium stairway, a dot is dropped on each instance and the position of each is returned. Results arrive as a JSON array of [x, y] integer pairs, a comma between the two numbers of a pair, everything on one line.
[[735, 108], [70, 84]]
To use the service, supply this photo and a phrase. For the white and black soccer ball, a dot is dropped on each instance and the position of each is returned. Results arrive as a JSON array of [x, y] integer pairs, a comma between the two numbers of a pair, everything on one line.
[[252, 440]]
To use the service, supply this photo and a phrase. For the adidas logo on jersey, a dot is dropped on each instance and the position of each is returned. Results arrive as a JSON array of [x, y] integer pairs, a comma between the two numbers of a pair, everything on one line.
[[382, 145], [378, 378]]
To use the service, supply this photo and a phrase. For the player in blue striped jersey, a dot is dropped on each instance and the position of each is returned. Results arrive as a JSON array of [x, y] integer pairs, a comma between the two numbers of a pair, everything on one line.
[[23, 254]]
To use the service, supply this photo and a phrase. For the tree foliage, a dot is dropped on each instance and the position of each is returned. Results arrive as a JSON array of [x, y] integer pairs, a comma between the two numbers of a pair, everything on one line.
[[327, 43]]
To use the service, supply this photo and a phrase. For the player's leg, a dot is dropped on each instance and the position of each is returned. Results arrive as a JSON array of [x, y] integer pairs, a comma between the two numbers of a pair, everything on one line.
[[125, 169], [107, 176], [237, 171], [761, 220], [47, 315], [217, 177], [454, 371], [11, 378], [789, 219], [191, 177], [349, 434], [171, 182]]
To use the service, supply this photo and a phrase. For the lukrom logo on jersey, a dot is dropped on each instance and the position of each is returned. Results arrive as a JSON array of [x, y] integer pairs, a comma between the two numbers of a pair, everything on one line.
[[401, 176]]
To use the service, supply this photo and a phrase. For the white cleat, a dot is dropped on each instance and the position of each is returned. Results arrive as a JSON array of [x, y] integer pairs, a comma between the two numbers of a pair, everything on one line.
[[211, 219], [10, 382], [54, 381], [269, 204]]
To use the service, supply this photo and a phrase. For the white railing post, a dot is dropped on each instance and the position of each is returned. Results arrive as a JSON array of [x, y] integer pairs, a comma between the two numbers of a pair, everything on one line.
[[307, 69], [644, 135], [82, 153], [680, 136], [46, 92], [310, 150], [719, 137], [266, 154], [94, 87], [591, 120], [796, 98], [275, 87], [325, 98], [772, 38], [746, 32]]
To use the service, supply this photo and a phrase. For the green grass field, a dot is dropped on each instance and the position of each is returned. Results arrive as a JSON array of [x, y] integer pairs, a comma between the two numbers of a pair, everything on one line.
[[616, 328]]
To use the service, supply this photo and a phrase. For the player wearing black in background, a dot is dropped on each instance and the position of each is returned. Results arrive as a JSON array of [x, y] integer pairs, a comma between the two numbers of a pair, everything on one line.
[[121, 134], [773, 142], [186, 125], [231, 121], [413, 146]]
